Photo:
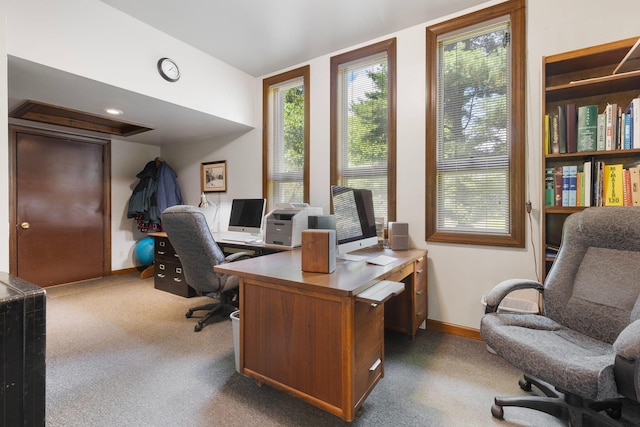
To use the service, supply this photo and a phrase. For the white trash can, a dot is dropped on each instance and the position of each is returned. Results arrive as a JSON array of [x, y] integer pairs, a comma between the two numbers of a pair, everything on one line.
[[513, 305], [235, 323]]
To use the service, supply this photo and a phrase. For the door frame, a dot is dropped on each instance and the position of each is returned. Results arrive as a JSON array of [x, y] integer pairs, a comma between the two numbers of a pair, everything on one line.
[[13, 202]]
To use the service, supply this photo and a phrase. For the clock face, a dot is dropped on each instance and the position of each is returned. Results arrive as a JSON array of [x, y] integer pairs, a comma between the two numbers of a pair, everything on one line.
[[168, 69]]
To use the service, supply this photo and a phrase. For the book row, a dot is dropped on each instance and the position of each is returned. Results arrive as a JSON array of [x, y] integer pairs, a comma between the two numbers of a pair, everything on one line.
[[596, 184], [572, 129]]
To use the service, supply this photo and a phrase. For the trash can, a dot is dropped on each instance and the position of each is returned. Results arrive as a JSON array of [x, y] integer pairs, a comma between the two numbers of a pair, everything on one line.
[[235, 323], [513, 305]]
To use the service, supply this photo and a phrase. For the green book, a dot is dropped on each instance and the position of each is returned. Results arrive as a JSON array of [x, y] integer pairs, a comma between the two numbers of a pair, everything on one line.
[[587, 132], [549, 187]]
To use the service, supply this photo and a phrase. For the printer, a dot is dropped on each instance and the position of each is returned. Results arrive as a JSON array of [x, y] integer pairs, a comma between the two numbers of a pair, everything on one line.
[[286, 222]]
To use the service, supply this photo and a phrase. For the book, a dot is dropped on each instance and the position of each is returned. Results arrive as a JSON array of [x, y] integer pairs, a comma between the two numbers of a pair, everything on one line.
[[572, 185], [553, 134], [602, 122], [626, 188], [549, 184], [565, 185], [626, 134], [580, 189], [571, 116], [613, 185], [562, 128], [587, 128], [611, 124], [635, 120], [557, 186], [547, 144], [597, 173], [635, 185], [587, 186]]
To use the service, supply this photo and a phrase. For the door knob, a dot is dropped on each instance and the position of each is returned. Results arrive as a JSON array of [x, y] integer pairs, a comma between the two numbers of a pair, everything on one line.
[[25, 225]]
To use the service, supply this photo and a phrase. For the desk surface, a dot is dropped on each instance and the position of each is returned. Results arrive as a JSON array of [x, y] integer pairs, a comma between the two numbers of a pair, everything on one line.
[[350, 277], [219, 238]]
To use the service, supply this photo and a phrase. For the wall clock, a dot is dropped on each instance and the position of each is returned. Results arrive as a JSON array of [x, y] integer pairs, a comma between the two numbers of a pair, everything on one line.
[[168, 69]]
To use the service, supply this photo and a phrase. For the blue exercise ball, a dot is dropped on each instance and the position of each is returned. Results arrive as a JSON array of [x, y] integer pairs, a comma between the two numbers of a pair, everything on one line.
[[144, 251]]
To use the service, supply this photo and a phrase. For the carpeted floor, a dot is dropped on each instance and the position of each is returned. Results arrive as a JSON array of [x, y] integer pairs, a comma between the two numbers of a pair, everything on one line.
[[121, 353]]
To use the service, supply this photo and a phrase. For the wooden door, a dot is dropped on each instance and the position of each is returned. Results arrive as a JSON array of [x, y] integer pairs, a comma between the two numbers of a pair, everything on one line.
[[61, 214]]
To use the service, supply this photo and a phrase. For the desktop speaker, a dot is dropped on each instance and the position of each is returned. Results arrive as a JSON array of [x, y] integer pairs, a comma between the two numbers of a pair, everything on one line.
[[398, 236], [319, 251], [322, 222]]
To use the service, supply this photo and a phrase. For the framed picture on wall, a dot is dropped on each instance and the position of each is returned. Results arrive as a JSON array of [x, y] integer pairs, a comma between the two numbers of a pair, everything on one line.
[[213, 177]]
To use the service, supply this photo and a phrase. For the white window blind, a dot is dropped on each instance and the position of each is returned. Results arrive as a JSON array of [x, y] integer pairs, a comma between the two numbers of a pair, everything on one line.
[[363, 127], [472, 136], [286, 142]]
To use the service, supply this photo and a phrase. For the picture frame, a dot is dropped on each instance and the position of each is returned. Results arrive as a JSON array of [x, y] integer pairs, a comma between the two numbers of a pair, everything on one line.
[[213, 177]]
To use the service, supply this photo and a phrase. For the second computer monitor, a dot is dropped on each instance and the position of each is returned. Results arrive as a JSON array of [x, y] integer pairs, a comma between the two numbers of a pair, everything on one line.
[[247, 215]]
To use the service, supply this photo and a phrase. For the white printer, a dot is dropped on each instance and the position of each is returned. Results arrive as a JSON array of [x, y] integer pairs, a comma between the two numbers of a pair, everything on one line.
[[286, 222]]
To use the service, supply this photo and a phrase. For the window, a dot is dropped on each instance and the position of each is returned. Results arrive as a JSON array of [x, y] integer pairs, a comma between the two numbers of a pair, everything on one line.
[[363, 123], [475, 128], [285, 137]]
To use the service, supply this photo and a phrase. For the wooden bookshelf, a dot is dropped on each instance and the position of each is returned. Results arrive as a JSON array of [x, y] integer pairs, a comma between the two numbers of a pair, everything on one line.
[[584, 77]]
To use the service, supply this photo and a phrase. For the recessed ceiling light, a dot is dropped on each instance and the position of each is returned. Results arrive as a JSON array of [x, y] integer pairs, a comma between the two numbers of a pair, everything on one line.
[[113, 111]]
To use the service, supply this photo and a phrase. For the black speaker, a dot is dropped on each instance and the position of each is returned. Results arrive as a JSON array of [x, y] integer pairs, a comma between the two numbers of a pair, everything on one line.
[[398, 236], [322, 222]]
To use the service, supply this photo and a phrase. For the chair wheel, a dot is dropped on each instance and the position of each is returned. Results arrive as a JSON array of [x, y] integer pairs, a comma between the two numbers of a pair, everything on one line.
[[525, 385], [189, 314], [497, 411], [197, 328]]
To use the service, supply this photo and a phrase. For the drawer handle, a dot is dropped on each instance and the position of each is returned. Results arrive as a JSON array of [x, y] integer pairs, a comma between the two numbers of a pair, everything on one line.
[[374, 305], [160, 275], [419, 314], [375, 365], [175, 255], [420, 292], [419, 271], [177, 279], [420, 259], [160, 252]]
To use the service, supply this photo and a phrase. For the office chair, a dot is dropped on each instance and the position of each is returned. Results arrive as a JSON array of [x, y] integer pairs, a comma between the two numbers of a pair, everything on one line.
[[188, 232], [583, 351]]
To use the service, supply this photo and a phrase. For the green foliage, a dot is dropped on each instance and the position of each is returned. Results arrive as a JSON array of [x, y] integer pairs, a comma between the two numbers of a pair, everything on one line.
[[368, 120], [294, 129]]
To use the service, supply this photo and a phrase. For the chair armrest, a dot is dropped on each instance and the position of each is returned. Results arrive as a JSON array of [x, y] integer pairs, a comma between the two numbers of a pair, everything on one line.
[[502, 289], [627, 374], [627, 344], [236, 256]]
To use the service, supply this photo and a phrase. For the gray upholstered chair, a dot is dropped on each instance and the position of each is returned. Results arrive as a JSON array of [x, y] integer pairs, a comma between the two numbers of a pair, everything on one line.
[[583, 351], [189, 234]]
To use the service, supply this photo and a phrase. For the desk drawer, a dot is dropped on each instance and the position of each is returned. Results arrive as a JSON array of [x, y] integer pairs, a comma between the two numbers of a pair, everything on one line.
[[169, 277], [163, 250], [420, 289], [369, 330]]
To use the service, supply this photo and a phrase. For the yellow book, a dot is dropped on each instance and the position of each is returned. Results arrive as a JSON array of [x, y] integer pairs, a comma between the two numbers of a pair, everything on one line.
[[613, 185]]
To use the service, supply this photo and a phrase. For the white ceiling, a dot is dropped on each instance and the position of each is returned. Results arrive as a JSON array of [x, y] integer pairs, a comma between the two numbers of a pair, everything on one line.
[[257, 36]]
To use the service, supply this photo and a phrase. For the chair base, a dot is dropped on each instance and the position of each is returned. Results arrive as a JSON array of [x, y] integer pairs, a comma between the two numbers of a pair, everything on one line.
[[225, 306], [569, 407]]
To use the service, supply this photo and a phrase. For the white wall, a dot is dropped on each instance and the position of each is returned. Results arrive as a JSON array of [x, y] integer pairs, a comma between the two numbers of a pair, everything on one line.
[[94, 40], [127, 160], [458, 274]]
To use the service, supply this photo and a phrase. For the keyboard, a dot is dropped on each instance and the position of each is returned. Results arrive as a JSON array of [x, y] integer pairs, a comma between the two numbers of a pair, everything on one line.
[[381, 260]]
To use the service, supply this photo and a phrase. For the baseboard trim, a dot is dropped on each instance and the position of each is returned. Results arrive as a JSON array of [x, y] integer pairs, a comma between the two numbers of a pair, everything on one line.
[[448, 328], [125, 271]]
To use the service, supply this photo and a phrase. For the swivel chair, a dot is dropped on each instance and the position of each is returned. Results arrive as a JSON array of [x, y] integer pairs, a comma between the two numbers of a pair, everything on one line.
[[189, 234], [583, 352]]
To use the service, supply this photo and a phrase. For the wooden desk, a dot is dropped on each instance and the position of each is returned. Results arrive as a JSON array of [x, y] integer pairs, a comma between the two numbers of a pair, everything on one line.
[[311, 334]]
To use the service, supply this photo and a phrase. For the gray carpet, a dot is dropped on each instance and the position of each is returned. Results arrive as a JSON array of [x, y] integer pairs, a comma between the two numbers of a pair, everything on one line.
[[121, 353]]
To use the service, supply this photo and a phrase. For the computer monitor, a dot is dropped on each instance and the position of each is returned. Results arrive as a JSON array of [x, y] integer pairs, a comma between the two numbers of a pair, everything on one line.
[[247, 215], [354, 218]]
